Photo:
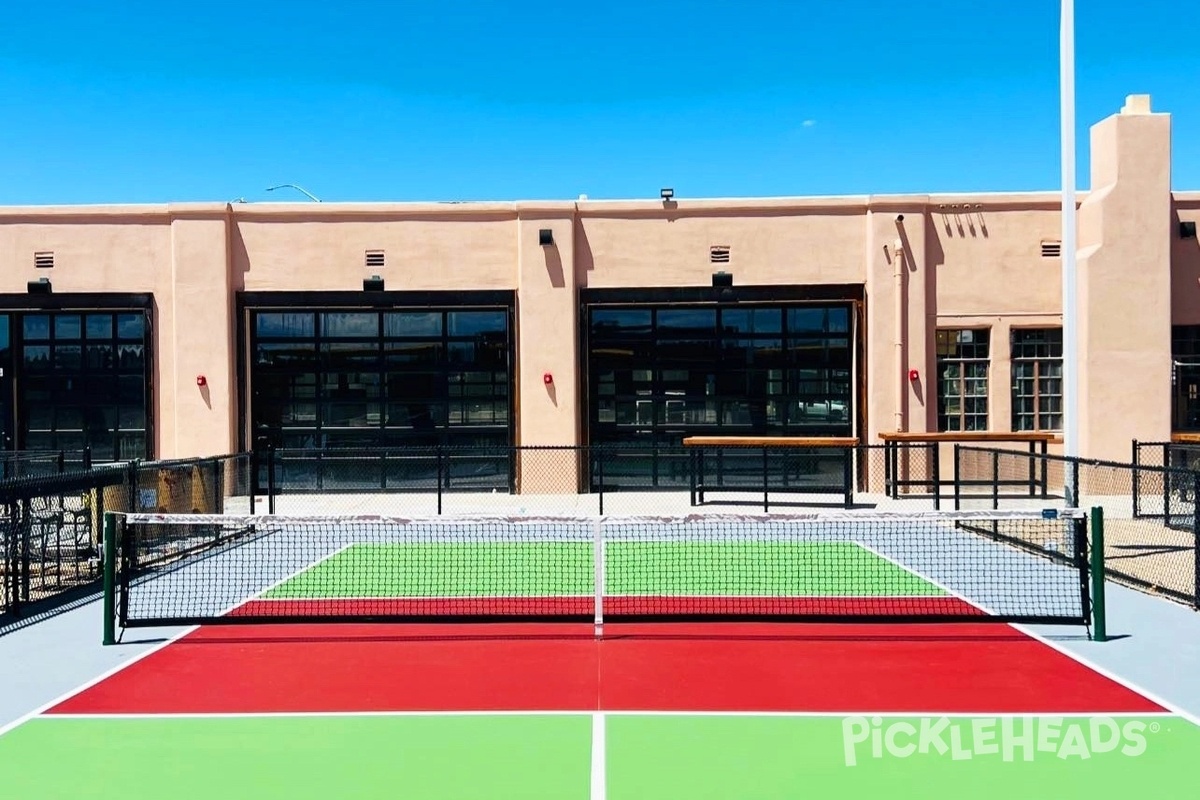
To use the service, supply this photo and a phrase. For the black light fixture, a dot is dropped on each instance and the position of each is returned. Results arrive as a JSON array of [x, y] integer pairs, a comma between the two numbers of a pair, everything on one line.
[[545, 237], [666, 194], [1187, 229], [373, 284], [40, 286], [722, 280]]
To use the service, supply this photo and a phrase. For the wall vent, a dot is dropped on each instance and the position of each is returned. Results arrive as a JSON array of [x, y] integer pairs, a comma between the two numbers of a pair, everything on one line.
[[375, 258], [1052, 249], [718, 254], [44, 260]]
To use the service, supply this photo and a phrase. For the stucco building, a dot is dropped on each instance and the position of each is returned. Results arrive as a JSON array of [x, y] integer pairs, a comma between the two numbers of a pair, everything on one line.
[[191, 329]]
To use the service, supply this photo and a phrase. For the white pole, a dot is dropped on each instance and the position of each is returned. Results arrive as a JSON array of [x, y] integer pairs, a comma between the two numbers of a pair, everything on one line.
[[1069, 244]]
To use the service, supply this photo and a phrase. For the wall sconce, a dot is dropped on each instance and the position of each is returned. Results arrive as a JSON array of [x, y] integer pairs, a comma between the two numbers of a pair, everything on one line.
[[40, 286], [666, 194], [201, 380], [545, 237], [373, 284], [722, 280]]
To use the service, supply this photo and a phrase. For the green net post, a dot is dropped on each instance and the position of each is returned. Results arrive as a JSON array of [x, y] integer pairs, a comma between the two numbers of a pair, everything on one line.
[[110, 578], [1099, 632]]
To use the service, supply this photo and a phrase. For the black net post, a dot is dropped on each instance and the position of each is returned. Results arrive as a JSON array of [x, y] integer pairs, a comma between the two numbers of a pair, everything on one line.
[[110, 579], [1099, 614]]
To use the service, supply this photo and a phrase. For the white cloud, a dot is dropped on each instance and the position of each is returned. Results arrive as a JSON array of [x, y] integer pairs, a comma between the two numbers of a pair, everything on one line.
[[808, 123]]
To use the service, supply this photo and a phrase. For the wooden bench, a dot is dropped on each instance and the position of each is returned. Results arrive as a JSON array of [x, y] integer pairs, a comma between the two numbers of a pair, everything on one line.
[[699, 446], [893, 442]]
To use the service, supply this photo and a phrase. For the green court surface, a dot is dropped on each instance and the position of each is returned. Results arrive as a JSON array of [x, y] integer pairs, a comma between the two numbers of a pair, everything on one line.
[[533, 756], [533, 569], [692, 757], [296, 758]]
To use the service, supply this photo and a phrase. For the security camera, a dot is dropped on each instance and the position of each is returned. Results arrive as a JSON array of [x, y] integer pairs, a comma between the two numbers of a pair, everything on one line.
[[899, 218]]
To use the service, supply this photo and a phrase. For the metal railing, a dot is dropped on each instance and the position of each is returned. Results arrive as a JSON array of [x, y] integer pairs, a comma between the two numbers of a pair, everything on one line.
[[1151, 515], [51, 523]]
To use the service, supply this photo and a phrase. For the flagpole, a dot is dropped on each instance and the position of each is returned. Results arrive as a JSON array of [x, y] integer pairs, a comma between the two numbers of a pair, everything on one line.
[[1070, 366]]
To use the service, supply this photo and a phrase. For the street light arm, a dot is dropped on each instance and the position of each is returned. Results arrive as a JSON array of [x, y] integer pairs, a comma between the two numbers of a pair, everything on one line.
[[310, 195]]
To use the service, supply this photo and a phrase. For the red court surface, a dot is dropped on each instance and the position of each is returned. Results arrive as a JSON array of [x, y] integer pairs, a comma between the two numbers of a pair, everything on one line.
[[962, 668]]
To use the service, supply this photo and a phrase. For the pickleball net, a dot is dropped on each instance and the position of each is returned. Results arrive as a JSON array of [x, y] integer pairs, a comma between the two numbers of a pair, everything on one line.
[[935, 566]]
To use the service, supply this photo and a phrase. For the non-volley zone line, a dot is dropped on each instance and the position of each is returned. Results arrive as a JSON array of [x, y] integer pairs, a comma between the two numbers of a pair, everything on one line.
[[613, 606]]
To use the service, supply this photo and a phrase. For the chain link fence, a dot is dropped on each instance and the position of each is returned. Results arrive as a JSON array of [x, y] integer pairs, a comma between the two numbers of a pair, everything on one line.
[[51, 524], [1150, 512]]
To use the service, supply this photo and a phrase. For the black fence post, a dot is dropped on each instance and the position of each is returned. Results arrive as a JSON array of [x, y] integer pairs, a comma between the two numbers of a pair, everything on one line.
[[253, 467], [936, 456], [61, 461], [1166, 488], [1075, 483], [437, 458], [766, 481], [87, 456], [1195, 540], [957, 477], [600, 476], [26, 543], [270, 477], [1137, 479], [848, 476], [692, 477], [131, 479], [995, 479]]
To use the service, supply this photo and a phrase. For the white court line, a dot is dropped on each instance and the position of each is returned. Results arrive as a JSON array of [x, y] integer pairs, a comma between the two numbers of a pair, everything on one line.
[[40, 711], [599, 773], [297, 572], [607, 597], [599, 716], [1079, 659]]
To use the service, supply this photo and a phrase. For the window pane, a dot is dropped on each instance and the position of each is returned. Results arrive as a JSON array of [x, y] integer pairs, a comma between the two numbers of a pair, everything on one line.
[[36, 327], [285, 324], [698, 320], [475, 323], [350, 325], [99, 326], [131, 326], [623, 320], [37, 357], [67, 326], [413, 324]]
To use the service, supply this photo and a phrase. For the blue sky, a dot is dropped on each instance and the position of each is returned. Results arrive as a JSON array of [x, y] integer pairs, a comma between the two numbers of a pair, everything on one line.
[[488, 100]]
